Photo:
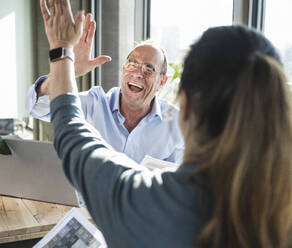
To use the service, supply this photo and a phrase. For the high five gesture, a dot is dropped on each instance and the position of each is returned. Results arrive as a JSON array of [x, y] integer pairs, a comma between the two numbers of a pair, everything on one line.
[[61, 29]]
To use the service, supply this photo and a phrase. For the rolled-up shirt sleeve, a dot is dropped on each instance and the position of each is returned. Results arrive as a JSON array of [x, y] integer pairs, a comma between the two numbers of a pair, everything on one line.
[[38, 108]]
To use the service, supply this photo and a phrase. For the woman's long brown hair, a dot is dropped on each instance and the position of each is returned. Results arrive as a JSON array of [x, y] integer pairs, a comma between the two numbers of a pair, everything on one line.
[[247, 157]]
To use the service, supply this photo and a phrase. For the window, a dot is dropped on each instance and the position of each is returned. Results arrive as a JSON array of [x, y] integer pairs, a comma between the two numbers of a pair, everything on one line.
[[175, 25], [16, 65], [277, 28]]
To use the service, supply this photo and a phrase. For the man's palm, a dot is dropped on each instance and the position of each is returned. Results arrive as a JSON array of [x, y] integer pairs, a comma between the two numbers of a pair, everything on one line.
[[82, 50]]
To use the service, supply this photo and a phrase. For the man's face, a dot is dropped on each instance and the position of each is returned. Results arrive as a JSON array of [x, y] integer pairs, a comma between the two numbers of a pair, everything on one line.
[[138, 88]]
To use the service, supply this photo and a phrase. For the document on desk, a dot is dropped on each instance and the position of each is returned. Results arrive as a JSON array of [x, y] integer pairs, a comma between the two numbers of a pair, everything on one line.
[[74, 230], [154, 163]]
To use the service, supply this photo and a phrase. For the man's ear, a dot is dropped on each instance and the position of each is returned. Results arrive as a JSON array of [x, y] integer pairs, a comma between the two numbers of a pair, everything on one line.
[[163, 80], [183, 104]]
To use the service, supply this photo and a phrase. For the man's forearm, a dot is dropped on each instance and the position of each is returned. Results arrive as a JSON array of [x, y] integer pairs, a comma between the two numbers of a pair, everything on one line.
[[42, 88], [62, 78]]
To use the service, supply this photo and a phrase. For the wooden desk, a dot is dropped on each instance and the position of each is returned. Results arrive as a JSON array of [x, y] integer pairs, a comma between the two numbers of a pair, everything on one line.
[[22, 219]]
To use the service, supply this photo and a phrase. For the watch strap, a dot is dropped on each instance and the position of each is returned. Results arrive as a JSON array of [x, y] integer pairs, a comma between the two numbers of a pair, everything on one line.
[[61, 53]]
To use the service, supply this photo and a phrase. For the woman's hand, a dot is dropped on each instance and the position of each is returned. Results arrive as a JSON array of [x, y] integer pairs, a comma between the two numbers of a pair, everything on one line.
[[61, 29]]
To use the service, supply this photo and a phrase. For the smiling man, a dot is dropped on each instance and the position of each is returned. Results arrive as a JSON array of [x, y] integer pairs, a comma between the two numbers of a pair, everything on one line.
[[144, 73], [130, 118]]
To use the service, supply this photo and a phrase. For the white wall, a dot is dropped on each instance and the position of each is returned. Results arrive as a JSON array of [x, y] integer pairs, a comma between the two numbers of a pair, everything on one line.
[[16, 56]]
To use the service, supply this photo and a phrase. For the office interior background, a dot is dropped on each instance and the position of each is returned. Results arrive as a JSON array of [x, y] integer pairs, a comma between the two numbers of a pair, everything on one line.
[[120, 26]]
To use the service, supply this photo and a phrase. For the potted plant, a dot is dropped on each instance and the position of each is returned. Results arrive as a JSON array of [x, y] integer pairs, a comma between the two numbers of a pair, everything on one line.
[[169, 92]]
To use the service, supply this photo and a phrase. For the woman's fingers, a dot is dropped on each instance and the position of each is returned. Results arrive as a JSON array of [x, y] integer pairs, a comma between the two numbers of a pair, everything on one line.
[[58, 4], [61, 29], [52, 8], [67, 9], [44, 10]]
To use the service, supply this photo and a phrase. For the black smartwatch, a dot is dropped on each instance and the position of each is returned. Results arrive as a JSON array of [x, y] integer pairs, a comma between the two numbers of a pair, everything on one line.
[[61, 53]]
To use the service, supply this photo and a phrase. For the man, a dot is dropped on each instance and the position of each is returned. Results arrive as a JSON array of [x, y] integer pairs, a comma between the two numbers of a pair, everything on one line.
[[131, 119]]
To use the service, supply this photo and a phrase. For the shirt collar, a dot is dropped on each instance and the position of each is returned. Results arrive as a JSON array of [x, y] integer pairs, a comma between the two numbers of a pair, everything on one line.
[[116, 105], [155, 111]]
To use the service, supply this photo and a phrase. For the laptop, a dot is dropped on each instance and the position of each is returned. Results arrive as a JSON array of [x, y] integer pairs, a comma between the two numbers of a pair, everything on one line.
[[34, 171]]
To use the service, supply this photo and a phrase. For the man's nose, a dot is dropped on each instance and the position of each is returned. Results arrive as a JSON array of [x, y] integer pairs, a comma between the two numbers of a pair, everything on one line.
[[138, 72]]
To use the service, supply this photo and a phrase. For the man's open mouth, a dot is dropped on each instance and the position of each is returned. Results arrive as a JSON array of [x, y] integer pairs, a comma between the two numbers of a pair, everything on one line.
[[135, 87]]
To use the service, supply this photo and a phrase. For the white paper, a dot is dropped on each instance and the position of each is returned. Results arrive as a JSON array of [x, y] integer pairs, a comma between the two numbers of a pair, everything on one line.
[[154, 163], [75, 231]]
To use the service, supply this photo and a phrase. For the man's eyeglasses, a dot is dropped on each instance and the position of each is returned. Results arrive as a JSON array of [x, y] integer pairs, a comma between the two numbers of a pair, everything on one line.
[[147, 69]]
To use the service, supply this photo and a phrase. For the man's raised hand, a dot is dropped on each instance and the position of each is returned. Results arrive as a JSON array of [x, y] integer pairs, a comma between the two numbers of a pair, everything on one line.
[[82, 50]]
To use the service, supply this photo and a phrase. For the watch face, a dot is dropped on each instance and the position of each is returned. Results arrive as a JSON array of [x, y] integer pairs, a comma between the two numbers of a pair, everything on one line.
[[56, 53], [60, 53]]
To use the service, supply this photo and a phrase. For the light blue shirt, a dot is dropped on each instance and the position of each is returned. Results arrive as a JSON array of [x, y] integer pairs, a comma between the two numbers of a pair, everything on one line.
[[157, 134]]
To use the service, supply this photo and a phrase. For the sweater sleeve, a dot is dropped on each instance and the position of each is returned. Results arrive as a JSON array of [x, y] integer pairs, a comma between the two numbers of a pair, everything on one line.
[[80, 145], [90, 164], [129, 203]]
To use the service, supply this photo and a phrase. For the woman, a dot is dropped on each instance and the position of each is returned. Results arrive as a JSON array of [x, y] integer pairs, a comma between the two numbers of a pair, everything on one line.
[[234, 187], [236, 121]]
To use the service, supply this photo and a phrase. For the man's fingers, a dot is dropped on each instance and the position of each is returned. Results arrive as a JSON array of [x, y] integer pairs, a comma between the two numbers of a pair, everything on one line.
[[79, 22], [100, 60], [91, 32], [86, 26], [44, 9], [87, 21]]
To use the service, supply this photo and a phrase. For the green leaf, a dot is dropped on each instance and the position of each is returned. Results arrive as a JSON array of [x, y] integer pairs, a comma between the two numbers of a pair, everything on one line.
[[171, 65], [4, 149], [175, 75]]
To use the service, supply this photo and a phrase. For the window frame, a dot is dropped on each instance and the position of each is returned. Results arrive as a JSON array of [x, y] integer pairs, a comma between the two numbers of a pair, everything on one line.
[[250, 13], [96, 9]]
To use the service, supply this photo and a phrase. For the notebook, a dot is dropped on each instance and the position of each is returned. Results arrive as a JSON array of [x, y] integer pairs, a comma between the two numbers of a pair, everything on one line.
[[34, 171]]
